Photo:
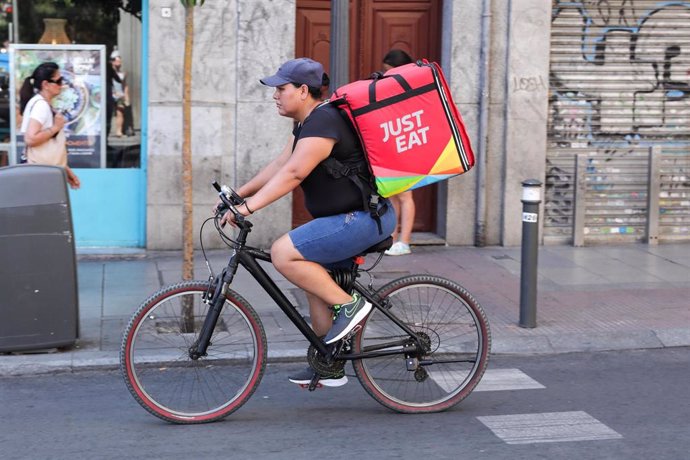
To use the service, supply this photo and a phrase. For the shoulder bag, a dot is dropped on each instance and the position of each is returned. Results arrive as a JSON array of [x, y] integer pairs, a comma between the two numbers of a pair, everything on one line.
[[52, 152]]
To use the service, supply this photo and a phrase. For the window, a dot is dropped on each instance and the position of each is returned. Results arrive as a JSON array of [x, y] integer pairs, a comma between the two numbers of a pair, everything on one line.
[[113, 23]]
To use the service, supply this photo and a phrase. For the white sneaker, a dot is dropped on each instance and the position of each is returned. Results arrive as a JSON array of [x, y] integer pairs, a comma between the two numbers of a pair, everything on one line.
[[398, 249], [304, 378]]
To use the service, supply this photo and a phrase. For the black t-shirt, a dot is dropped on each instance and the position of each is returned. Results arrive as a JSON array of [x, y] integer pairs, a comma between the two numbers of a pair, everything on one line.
[[325, 195]]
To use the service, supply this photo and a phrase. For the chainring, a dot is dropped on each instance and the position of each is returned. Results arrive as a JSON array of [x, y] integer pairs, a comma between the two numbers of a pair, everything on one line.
[[319, 364]]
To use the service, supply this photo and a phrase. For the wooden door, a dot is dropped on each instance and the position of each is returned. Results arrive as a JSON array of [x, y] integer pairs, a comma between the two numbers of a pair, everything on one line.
[[376, 26]]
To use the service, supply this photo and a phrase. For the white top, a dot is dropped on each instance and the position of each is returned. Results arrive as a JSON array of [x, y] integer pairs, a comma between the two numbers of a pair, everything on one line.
[[52, 151], [40, 110]]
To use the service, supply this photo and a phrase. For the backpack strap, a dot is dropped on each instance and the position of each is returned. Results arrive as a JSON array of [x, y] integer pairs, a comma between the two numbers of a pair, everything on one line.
[[371, 200], [27, 110], [356, 172]]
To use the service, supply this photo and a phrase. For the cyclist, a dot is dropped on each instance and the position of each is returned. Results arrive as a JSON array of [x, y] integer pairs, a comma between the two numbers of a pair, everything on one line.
[[342, 227]]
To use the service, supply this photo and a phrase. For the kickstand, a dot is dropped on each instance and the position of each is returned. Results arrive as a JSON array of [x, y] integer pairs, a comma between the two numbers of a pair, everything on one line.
[[314, 382]]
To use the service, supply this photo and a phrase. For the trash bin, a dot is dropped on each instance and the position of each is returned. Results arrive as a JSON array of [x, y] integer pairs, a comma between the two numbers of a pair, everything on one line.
[[38, 273]]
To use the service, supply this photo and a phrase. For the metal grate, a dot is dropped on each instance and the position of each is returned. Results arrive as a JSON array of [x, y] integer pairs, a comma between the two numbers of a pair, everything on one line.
[[644, 196], [611, 195], [674, 194]]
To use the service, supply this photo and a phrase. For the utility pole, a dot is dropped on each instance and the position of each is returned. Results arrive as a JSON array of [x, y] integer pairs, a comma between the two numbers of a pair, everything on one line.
[[340, 43]]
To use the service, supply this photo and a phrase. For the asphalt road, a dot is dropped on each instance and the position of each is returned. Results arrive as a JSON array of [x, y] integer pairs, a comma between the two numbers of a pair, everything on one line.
[[618, 405]]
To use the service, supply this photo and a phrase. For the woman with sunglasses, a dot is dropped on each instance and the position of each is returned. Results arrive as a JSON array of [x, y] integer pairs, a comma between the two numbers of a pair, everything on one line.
[[41, 126]]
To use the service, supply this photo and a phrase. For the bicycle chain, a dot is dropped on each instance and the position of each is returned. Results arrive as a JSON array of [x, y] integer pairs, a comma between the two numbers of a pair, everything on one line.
[[425, 338], [336, 366], [319, 364]]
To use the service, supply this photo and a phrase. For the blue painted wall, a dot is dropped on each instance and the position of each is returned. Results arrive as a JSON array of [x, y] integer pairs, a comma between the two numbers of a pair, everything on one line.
[[109, 210]]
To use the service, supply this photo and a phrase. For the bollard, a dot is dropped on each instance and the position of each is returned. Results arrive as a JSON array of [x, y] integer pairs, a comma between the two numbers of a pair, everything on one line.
[[531, 197]]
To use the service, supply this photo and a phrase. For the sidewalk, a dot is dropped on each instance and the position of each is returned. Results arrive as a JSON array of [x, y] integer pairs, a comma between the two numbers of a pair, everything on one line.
[[589, 299]]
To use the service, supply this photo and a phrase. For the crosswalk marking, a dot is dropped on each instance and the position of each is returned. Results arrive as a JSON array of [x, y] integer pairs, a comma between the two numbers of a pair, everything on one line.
[[528, 428], [493, 380], [507, 379], [548, 427]]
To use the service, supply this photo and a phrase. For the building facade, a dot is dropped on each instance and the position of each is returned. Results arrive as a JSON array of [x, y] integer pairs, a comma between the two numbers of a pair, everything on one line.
[[488, 50], [592, 98]]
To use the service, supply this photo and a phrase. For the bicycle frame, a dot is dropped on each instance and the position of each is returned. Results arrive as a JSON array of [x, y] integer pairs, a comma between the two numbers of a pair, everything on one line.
[[437, 322], [247, 257]]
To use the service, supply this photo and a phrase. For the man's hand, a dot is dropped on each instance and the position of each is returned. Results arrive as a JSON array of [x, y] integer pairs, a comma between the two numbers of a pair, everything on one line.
[[229, 217], [217, 206]]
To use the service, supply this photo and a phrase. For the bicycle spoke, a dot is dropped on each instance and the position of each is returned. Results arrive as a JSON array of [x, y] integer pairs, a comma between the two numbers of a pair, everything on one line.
[[449, 321], [160, 372]]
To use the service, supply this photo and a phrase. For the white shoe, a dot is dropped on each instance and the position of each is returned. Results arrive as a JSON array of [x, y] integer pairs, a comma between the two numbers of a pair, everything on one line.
[[304, 378], [398, 249]]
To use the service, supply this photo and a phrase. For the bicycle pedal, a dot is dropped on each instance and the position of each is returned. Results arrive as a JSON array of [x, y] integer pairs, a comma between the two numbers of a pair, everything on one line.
[[306, 386]]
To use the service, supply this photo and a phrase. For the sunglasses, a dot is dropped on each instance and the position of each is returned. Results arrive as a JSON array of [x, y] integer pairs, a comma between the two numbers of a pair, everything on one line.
[[59, 81]]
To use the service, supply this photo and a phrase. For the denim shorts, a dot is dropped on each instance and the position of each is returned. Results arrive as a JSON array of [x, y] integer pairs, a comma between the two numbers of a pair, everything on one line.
[[332, 241]]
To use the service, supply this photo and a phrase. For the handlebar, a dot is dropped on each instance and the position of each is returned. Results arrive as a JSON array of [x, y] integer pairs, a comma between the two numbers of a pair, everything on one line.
[[230, 200], [229, 193]]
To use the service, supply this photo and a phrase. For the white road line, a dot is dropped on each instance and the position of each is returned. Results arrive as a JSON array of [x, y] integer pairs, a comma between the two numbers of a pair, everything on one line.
[[507, 379], [548, 427], [493, 380]]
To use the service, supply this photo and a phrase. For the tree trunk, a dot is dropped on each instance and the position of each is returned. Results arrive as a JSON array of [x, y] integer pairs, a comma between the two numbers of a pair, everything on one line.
[[187, 216]]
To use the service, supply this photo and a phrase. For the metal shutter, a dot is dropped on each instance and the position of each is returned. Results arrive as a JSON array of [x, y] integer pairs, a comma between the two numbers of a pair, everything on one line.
[[619, 84]]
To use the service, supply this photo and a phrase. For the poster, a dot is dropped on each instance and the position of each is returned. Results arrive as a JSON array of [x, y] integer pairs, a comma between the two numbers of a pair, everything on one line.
[[82, 100]]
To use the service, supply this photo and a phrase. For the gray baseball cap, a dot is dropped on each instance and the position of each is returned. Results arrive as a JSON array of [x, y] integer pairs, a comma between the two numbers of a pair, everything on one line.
[[303, 71]]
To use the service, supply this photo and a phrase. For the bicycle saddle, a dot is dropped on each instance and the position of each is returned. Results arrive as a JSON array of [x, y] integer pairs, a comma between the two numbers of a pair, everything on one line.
[[379, 247]]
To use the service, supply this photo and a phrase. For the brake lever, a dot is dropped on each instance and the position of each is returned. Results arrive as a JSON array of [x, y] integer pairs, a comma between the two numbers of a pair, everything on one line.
[[220, 212]]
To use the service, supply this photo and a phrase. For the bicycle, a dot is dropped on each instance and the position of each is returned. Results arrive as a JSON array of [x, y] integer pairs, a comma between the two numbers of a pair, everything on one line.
[[195, 351]]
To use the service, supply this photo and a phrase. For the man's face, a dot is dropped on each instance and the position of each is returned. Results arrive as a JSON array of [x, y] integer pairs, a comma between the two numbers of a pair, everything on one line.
[[288, 99]]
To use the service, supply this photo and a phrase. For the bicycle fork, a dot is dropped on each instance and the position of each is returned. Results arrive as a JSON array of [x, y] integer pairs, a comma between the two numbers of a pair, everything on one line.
[[215, 302]]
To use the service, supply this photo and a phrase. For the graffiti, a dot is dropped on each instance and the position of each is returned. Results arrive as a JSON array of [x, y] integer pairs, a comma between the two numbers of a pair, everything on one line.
[[558, 200], [674, 194], [619, 83], [630, 82], [529, 84]]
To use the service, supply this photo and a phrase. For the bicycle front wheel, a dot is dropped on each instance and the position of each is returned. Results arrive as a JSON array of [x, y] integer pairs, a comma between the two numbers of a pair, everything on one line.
[[456, 334], [156, 363]]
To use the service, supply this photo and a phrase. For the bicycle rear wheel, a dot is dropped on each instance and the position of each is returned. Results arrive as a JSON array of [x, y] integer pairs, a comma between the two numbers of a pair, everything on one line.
[[157, 368], [456, 332]]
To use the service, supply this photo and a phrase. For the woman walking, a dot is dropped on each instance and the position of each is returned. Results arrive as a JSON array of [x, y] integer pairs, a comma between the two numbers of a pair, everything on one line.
[[41, 126], [402, 202]]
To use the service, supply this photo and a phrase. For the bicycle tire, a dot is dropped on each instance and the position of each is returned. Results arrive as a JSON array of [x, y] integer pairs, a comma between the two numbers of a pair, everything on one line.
[[457, 329], [164, 380]]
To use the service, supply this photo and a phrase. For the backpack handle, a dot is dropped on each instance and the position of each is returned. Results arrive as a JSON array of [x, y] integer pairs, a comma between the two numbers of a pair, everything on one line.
[[399, 78]]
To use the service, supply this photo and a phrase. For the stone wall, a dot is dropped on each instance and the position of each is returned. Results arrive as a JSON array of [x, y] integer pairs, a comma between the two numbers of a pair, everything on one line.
[[237, 130], [527, 107], [517, 48]]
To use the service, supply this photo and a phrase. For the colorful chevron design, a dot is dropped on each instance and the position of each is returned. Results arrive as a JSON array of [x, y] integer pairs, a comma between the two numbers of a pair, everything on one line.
[[390, 182]]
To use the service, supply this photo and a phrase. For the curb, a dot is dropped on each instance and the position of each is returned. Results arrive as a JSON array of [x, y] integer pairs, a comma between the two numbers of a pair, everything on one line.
[[28, 364]]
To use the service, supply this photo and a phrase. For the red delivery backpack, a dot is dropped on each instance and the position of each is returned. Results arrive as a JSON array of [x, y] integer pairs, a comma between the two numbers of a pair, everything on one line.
[[409, 127]]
